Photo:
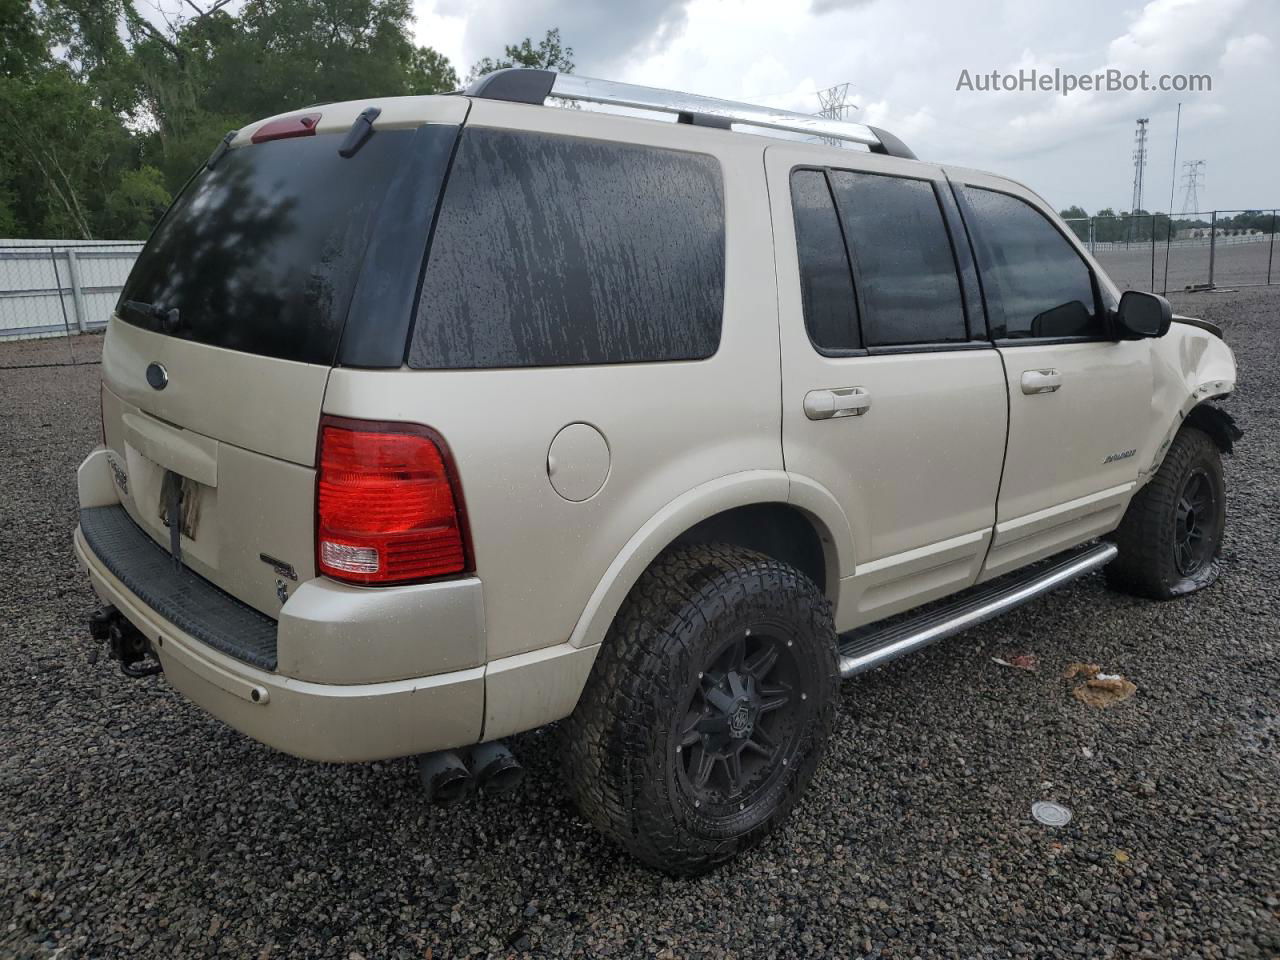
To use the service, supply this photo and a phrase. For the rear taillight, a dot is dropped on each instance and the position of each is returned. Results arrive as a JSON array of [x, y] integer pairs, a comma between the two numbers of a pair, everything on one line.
[[387, 503]]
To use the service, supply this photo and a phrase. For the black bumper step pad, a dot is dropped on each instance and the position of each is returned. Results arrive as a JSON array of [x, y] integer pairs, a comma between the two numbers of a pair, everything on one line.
[[189, 602]]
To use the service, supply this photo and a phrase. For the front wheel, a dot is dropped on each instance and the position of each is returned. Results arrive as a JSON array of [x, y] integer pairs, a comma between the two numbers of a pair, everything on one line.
[[707, 710], [1171, 535]]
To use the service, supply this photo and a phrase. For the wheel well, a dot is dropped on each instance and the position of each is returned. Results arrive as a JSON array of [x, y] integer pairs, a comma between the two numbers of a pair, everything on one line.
[[776, 529], [1217, 423]]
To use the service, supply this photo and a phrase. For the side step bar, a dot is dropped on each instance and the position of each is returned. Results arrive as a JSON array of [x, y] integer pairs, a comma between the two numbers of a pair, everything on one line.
[[872, 646]]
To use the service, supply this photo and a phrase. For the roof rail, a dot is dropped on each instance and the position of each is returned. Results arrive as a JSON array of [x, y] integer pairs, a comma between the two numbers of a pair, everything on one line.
[[522, 85]]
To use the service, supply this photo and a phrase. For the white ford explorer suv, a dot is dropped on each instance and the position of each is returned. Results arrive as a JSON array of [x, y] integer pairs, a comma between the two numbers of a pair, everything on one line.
[[432, 420]]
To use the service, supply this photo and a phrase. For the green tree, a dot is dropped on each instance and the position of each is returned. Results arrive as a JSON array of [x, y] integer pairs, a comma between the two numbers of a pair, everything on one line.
[[64, 154], [136, 202], [431, 72], [24, 46], [549, 54], [109, 113]]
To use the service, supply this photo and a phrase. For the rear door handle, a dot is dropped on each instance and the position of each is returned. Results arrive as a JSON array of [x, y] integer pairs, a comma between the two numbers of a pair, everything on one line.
[[1040, 381], [842, 402]]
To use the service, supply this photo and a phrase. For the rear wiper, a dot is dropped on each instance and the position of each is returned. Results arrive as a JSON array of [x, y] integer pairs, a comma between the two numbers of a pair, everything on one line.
[[360, 132], [141, 310]]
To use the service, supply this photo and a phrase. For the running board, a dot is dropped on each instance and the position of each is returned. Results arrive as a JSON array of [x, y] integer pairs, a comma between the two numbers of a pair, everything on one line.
[[870, 647]]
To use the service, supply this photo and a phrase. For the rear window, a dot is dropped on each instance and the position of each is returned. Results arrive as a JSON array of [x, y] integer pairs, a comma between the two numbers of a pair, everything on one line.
[[826, 283], [553, 251], [903, 259], [263, 253]]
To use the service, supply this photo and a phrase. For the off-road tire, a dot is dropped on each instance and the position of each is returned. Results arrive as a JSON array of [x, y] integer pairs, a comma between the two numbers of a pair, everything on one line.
[[620, 760], [1148, 535]]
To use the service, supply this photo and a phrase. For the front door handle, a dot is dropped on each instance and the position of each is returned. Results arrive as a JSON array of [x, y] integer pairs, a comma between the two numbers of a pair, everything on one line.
[[1040, 381], [842, 402]]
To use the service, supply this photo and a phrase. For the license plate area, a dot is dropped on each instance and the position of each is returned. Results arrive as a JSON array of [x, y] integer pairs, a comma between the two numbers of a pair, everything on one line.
[[185, 493]]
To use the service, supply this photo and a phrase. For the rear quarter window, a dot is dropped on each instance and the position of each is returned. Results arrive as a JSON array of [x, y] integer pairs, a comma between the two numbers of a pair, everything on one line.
[[553, 251]]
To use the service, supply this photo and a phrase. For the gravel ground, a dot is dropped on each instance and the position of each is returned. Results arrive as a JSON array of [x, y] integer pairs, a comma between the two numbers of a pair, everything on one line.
[[134, 824]]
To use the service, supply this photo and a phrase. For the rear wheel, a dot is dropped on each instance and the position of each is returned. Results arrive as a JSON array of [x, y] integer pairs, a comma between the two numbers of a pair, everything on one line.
[[708, 708], [1171, 535]]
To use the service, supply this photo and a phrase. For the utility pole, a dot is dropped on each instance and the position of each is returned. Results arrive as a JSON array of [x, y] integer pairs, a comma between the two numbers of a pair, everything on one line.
[[834, 105], [1139, 162], [1139, 170], [1192, 172]]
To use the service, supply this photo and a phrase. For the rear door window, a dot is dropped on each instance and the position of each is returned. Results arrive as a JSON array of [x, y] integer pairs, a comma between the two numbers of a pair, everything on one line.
[[1037, 285], [826, 283], [262, 253], [903, 262], [552, 250]]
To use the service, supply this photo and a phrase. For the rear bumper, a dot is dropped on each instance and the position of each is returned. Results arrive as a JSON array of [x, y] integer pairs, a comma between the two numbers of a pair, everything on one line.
[[360, 673], [317, 721]]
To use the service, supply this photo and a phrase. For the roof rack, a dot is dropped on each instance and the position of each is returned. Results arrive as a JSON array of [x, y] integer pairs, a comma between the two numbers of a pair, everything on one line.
[[522, 85]]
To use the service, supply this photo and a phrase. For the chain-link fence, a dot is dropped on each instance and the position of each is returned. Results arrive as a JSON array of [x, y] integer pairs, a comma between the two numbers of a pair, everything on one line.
[[59, 289], [52, 290], [1191, 251]]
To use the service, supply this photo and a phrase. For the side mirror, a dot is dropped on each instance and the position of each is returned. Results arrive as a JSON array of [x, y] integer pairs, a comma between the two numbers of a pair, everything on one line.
[[1142, 315]]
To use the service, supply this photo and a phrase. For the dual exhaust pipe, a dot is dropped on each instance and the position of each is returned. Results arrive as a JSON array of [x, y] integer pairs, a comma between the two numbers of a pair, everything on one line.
[[448, 776]]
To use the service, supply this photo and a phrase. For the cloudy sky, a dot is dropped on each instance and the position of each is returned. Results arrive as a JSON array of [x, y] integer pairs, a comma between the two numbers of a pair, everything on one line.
[[903, 61]]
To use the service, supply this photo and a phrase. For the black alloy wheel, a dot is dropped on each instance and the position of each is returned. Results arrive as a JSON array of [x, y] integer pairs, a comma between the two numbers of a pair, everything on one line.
[[741, 722], [1195, 524]]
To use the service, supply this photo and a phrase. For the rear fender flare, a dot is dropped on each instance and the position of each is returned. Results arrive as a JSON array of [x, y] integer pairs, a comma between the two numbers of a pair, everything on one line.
[[700, 503]]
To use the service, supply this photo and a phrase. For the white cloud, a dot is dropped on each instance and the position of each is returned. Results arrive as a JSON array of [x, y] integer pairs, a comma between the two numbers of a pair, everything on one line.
[[903, 60], [1243, 53]]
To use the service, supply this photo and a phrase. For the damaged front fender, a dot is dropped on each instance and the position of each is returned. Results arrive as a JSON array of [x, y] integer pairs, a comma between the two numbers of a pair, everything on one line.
[[1192, 366]]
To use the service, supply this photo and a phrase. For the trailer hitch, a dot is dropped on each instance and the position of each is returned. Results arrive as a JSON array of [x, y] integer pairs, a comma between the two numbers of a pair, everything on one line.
[[125, 643]]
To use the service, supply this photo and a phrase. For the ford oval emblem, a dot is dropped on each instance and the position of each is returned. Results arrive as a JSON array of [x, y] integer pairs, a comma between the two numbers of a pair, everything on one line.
[[157, 376]]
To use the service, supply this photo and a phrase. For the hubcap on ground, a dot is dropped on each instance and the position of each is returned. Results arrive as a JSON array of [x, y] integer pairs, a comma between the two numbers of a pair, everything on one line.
[[1195, 524], [739, 726]]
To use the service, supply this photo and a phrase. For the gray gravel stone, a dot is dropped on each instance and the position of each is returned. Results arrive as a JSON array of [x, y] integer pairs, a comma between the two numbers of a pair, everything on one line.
[[131, 824]]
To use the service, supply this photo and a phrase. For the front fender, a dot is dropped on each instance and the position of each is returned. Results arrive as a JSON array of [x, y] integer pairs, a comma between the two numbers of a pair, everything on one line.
[[1191, 367]]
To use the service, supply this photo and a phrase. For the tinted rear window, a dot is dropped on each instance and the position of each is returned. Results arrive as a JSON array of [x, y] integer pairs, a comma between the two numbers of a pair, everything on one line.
[[905, 268], [553, 251], [262, 253], [826, 284]]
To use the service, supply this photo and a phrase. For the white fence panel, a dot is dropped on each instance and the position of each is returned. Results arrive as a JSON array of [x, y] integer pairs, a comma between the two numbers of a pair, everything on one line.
[[56, 288]]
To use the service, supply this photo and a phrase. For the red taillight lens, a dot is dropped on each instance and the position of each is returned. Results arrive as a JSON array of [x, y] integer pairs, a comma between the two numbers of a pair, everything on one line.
[[303, 125], [386, 506]]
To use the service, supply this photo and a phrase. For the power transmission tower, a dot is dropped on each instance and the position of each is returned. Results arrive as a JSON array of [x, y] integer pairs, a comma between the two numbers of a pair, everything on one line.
[[1139, 170], [1192, 172], [834, 105]]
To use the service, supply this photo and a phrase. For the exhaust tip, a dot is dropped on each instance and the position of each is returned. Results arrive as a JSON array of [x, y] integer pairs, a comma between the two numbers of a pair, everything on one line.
[[495, 768], [444, 777]]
